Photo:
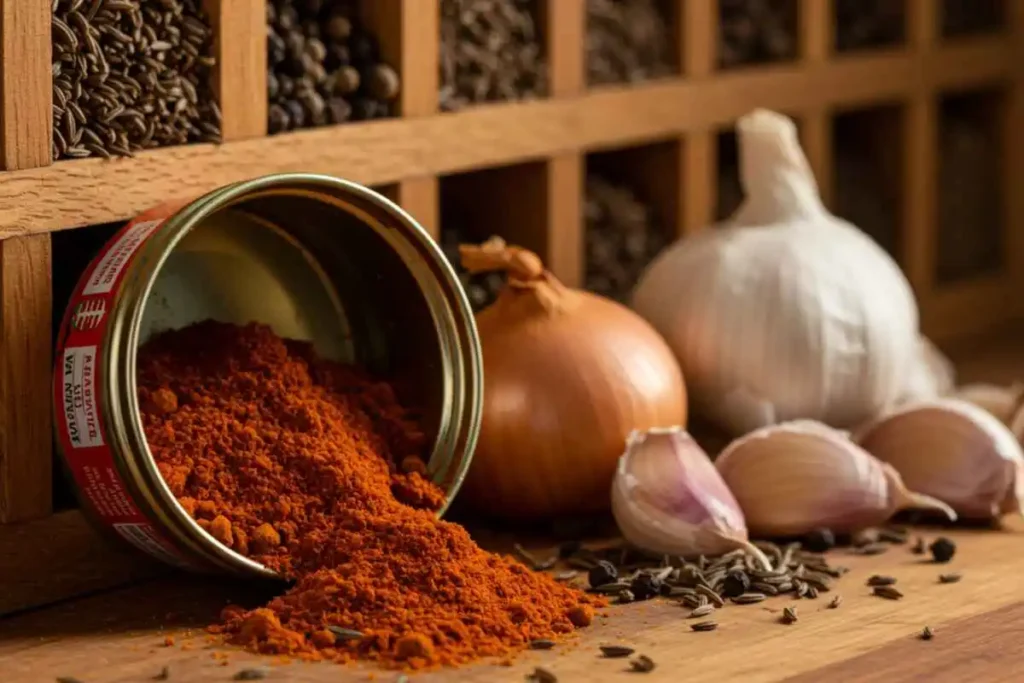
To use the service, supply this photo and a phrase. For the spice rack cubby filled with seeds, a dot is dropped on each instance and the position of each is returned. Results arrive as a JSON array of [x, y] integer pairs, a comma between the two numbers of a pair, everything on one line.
[[583, 139]]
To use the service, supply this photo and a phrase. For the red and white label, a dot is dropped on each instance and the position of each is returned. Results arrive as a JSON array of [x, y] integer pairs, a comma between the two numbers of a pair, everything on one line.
[[107, 271], [78, 390], [78, 380]]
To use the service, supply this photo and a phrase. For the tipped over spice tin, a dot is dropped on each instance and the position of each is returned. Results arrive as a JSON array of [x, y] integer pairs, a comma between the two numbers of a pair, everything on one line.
[[315, 258]]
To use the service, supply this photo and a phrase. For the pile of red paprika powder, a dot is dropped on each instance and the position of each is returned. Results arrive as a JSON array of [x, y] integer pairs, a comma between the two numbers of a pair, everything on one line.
[[314, 469]]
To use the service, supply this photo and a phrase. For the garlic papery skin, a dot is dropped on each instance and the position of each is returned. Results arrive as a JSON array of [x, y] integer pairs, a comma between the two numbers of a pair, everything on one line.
[[954, 451], [668, 498], [784, 312], [792, 478]]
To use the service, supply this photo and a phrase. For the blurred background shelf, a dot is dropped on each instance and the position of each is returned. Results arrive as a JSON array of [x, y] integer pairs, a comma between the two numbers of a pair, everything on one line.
[[591, 131]]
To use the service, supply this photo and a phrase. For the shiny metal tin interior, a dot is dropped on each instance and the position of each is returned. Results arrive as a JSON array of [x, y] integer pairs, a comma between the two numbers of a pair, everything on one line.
[[316, 258]]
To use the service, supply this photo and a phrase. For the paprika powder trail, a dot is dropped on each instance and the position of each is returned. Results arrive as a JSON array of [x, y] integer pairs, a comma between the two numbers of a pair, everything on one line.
[[310, 467]]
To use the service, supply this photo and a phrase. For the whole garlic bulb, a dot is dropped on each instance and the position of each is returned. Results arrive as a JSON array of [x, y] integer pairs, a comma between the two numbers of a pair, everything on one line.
[[668, 498], [785, 312], [954, 451], [792, 478]]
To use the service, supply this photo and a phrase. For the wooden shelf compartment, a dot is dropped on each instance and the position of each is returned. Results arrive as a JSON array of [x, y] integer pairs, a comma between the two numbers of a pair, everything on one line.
[[530, 154]]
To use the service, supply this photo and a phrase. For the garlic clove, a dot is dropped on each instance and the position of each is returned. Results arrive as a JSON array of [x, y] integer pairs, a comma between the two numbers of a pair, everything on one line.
[[954, 451], [792, 478], [668, 498]]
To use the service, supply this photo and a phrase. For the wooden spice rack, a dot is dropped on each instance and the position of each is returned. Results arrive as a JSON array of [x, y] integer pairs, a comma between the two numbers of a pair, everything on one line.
[[522, 162]]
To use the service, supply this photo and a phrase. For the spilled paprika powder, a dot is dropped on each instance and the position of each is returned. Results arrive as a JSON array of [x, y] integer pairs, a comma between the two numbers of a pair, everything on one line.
[[291, 460]]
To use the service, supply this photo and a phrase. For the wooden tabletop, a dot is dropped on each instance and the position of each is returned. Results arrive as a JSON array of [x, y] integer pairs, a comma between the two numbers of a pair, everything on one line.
[[978, 627]]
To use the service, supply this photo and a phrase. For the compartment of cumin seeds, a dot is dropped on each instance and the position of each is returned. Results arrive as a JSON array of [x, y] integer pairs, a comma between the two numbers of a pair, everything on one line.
[[490, 51], [752, 32], [971, 191], [324, 66], [868, 146], [630, 41], [507, 202], [630, 207], [131, 75], [869, 24]]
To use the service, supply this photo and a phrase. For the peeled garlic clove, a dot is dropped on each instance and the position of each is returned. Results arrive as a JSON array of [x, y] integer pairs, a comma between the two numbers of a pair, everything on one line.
[[792, 478], [1003, 402], [952, 450], [667, 498]]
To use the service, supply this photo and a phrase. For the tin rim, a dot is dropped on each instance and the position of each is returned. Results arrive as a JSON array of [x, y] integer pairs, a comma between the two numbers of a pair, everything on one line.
[[458, 339]]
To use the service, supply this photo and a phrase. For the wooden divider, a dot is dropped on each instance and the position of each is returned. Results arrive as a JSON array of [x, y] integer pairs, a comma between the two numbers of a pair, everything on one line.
[[240, 78], [408, 31], [25, 289], [816, 40], [697, 30]]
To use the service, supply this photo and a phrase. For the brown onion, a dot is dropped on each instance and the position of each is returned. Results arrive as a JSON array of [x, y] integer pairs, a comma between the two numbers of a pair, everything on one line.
[[568, 375]]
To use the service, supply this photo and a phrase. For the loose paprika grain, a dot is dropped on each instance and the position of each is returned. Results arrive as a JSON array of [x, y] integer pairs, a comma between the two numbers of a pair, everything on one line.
[[314, 469]]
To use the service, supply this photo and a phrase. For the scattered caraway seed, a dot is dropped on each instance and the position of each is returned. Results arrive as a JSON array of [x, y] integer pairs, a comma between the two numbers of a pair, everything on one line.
[[625, 596], [164, 674], [616, 651], [542, 675], [919, 546], [343, 634], [532, 561], [702, 611], [788, 615], [255, 674], [893, 535], [835, 602], [542, 644], [950, 578], [927, 633], [942, 549], [704, 626], [748, 598], [568, 575], [880, 580], [888, 592], [642, 664]]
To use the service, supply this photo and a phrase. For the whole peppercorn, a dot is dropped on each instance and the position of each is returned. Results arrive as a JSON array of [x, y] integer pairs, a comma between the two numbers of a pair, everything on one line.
[[735, 584], [819, 540], [602, 574], [942, 549], [645, 586]]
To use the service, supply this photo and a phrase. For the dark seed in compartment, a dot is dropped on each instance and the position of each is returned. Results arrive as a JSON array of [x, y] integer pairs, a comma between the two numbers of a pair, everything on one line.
[[865, 24], [756, 32], [627, 41]]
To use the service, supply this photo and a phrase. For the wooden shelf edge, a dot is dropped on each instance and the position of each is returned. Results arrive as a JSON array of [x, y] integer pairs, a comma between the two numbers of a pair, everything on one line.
[[75, 193], [61, 557]]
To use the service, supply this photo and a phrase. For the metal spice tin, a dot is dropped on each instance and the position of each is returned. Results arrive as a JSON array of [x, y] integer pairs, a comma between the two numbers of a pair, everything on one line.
[[314, 257]]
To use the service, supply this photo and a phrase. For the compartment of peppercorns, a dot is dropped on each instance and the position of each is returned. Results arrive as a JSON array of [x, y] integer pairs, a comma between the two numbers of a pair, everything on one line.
[[971, 190], [131, 75], [869, 24], [630, 199], [756, 32], [972, 17], [490, 51], [324, 66], [629, 41], [868, 172]]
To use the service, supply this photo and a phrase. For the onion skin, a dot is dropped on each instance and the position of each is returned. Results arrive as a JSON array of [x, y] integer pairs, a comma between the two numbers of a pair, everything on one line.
[[568, 376]]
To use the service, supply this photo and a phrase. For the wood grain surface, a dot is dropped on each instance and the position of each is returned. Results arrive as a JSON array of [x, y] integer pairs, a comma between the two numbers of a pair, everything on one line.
[[74, 193], [118, 638]]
